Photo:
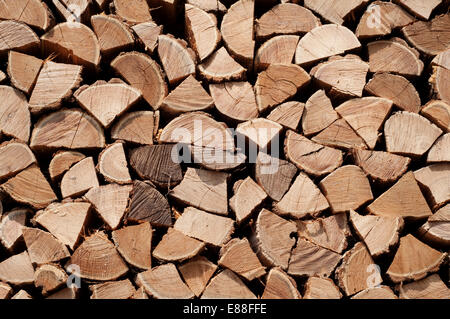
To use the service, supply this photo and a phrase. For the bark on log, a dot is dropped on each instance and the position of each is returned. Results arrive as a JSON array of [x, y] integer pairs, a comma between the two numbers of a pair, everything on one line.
[[340, 135], [62, 161], [112, 164], [221, 67], [436, 230], [49, 278]]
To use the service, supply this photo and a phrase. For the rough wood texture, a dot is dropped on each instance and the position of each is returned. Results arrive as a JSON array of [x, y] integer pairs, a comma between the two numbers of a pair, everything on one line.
[[288, 114], [122, 289], [136, 127], [227, 285], [5, 290], [17, 270], [321, 288], [11, 227], [133, 11], [440, 83], [277, 50], [43, 247], [14, 157], [436, 230], [79, 178], [112, 164], [17, 36], [438, 112], [14, 115], [433, 179], [431, 287], [23, 70], [259, 132], [318, 114], [62, 161], [113, 35], [340, 135], [35, 13], [380, 292], [280, 286], [175, 246], [248, 195], [49, 278], [420, 8], [334, 10], [220, 67], [147, 33], [197, 273]]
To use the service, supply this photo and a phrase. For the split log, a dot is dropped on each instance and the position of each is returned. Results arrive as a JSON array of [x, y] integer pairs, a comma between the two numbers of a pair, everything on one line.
[[210, 6], [278, 83], [140, 294], [74, 43], [274, 175], [14, 157], [308, 259], [220, 67], [62, 161], [397, 89], [17, 36], [440, 80], [134, 244], [272, 239], [436, 230], [35, 13], [330, 232], [164, 282], [420, 8], [197, 273], [358, 271], [148, 205], [65, 293], [202, 31], [79, 179], [409, 134], [22, 294], [237, 30], [404, 199], [175, 246], [379, 233], [414, 260], [30, 187], [394, 56], [112, 164], [144, 74], [440, 151], [434, 181], [177, 59], [321, 288], [113, 35], [65, 221], [333, 10], [288, 114], [302, 199], [311, 157], [17, 270], [260, 132], [438, 112], [431, 287], [2, 76], [277, 50], [11, 227], [23, 70], [136, 127], [285, 18], [210, 228], [55, 83], [323, 42], [442, 59], [238, 256], [133, 11], [186, 97], [98, 259], [14, 115], [280, 286], [227, 285], [122, 289], [68, 128], [429, 37], [43, 247], [148, 33], [5, 290], [318, 114], [247, 197], [381, 166], [49, 278], [380, 292], [352, 79], [74, 10], [340, 135]]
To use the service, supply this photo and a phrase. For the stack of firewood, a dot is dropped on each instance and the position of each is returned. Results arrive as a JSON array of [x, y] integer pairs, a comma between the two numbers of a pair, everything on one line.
[[234, 149]]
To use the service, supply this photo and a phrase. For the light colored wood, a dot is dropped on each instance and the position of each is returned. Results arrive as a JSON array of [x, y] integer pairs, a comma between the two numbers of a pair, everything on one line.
[[210, 228], [65, 293], [134, 243], [22, 294], [409, 134], [35, 13], [311, 157], [175, 246], [68, 128], [227, 285], [442, 59], [62, 161], [5, 290], [49, 278], [197, 273], [14, 115], [438, 112], [260, 132], [23, 70], [216, 159], [14, 157], [278, 83], [164, 282], [434, 181], [65, 221], [144, 74], [235, 100], [122, 289], [323, 42], [272, 239], [318, 113], [277, 50], [414, 260], [238, 256], [285, 18], [221, 67], [440, 83], [420, 8], [79, 179], [334, 10], [280, 286], [11, 227], [112, 164], [17, 270], [431, 287], [140, 294], [113, 35], [380, 292], [288, 114], [440, 151], [73, 10], [147, 33], [2, 76], [237, 30], [98, 259], [340, 135], [212, 6], [248, 195], [436, 230], [186, 97], [321, 288], [133, 11], [136, 127], [302, 199], [17, 36], [358, 271]]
